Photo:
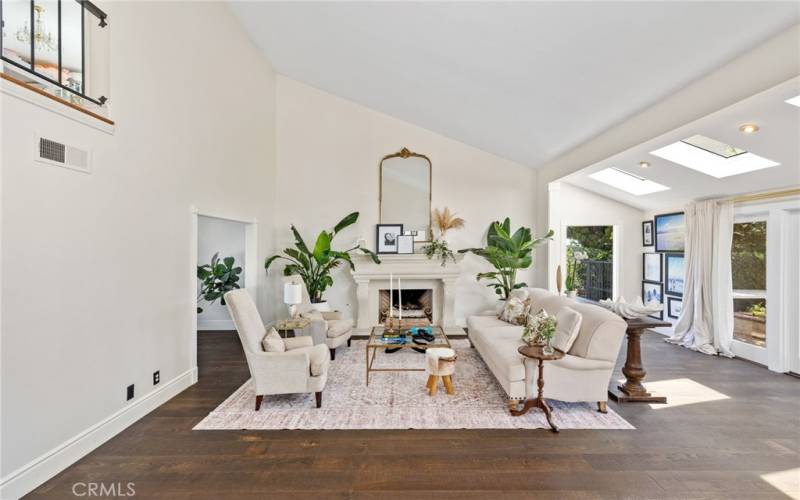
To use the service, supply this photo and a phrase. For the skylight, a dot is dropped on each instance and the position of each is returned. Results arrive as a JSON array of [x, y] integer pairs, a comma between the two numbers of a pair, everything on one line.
[[712, 157], [628, 182], [794, 100]]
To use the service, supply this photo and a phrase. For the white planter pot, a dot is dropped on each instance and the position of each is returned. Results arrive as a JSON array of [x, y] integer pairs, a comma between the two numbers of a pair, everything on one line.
[[323, 306], [572, 294]]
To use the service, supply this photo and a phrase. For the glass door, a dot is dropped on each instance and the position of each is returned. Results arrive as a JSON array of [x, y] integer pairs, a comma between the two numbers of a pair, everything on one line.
[[749, 266]]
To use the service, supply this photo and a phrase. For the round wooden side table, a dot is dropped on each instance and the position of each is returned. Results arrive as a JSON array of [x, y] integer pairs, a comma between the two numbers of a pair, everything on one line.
[[535, 352]]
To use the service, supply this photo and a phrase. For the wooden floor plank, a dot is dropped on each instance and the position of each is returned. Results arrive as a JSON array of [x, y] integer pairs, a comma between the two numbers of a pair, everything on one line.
[[716, 449]]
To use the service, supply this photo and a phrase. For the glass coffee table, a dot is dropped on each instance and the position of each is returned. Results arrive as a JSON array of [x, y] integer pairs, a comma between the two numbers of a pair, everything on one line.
[[376, 342]]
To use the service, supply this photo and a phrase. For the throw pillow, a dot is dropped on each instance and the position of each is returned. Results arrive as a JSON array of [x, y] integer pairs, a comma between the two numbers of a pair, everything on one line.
[[313, 315], [515, 310], [272, 342], [568, 325]]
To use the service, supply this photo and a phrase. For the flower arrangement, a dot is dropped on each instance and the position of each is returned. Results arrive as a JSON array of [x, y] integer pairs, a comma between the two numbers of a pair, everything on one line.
[[539, 330]]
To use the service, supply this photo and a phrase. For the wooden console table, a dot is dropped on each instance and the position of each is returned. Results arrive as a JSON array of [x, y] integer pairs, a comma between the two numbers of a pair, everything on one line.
[[633, 390]]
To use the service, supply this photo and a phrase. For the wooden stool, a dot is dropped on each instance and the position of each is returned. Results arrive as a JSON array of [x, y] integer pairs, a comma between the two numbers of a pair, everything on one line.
[[440, 362]]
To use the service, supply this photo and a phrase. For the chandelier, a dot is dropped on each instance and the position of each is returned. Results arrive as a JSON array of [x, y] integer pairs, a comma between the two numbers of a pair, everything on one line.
[[42, 39]]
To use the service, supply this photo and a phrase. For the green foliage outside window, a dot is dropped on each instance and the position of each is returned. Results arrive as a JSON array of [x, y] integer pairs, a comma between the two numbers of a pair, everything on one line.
[[749, 256], [597, 242]]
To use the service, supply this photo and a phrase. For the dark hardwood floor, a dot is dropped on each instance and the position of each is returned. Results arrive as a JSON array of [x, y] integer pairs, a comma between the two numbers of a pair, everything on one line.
[[716, 449]]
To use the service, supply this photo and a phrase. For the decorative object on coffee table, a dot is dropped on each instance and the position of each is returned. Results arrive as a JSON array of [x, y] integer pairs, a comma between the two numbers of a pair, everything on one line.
[[440, 362], [537, 353], [633, 390], [380, 339]]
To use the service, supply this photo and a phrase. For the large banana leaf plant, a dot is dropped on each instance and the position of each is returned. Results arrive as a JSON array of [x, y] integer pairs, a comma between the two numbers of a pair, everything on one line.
[[508, 253], [314, 265]]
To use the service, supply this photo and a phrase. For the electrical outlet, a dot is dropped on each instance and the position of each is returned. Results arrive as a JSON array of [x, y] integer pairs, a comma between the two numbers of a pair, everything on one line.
[[156, 377], [130, 392]]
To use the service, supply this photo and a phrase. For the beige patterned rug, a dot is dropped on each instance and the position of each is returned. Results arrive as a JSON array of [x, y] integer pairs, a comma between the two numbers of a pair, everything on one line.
[[397, 400]]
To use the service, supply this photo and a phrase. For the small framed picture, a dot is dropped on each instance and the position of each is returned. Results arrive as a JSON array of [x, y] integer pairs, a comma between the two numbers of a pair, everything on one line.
[[674, 307], [653, 292], [651, 267], [405, 243], [647, 233], [673, 268], [386, 237]]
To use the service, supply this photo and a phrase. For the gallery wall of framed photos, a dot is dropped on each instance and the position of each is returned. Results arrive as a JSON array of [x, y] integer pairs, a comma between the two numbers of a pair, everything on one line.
[[663, 269]]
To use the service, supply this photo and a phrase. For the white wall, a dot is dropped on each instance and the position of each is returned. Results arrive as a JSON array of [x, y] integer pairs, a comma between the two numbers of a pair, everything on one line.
[[329, 150], [573, 206], [227, 238], [97, 288], [773, 62]]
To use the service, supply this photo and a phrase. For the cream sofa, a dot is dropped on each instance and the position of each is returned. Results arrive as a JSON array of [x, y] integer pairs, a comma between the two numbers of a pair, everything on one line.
[[582, 375]]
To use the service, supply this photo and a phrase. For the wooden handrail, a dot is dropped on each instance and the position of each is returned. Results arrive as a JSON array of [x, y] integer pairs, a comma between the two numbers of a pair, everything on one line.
[[55, 98]]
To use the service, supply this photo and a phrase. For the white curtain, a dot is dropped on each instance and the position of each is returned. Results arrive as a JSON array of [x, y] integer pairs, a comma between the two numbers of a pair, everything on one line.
[[706, 323]]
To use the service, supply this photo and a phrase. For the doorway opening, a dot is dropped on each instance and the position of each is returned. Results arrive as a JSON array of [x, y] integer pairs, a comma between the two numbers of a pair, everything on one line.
[[590, 261]]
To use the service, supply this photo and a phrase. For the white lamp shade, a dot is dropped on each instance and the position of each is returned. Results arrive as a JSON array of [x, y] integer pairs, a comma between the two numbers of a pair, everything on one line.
[[292, 293]]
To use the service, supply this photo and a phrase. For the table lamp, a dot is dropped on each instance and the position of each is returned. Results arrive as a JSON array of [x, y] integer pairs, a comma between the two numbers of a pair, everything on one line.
[[292, 295]]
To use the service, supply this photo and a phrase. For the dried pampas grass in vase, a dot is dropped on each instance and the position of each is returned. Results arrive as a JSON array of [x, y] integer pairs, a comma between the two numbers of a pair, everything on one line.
[[446, 220]]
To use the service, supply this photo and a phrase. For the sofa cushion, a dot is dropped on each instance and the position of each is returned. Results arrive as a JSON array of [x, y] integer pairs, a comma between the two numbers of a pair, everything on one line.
[[339, 327], [567, 328], [501, 355], [481, 322], [272, 342], [577, 363], [313, 315]]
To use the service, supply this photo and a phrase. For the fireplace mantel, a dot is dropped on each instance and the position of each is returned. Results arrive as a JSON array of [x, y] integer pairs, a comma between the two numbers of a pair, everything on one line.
[[416, 271]]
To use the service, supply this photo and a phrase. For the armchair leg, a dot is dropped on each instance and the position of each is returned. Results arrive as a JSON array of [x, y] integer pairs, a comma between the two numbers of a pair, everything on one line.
[[333, 354], [348, 341], [318, 396], [258, 402], [601, 407]]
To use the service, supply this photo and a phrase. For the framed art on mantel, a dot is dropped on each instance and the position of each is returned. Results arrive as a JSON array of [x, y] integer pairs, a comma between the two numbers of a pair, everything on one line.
[[405, 243], [386, 237], [647, 233]]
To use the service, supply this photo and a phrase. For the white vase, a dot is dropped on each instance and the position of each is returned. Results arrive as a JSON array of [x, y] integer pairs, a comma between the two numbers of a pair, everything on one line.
[[572, 294], [323, 306]]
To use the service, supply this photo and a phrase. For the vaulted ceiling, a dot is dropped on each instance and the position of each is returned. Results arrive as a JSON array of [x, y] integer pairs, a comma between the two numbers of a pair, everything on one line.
[[523, 80]]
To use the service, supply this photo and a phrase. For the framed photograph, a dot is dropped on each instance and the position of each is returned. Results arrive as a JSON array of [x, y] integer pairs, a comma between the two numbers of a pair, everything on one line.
[[674, 307], [651, 267], [405, 243], [670, 232], [386, 237], [673, 269], [647, 233], [653, 292]]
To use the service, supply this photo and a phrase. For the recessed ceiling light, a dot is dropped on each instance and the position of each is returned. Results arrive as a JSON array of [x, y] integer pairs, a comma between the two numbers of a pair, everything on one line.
[[644, 164], [748, 128], [794, 100], [712, 157], [628, 182]]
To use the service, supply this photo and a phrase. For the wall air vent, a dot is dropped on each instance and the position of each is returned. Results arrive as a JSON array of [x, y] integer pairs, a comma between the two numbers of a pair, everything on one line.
[[57, 153]]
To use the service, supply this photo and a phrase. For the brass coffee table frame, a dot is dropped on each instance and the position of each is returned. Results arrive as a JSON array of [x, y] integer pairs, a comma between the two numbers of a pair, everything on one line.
[[375, 344]]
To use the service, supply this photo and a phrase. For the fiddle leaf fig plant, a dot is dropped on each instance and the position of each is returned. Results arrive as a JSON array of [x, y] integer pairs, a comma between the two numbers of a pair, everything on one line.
[[508, 252], [216, 279], [314, 266]]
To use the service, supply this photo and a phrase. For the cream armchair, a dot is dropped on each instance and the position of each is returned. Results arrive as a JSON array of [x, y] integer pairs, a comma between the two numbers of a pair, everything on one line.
[[302, 368], [328, 327]]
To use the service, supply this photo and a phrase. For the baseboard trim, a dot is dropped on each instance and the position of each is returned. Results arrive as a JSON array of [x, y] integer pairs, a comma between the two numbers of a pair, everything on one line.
[[37, 471], [215, 324]]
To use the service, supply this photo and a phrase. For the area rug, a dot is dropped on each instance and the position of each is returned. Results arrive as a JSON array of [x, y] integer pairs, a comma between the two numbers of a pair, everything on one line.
[[398, 400]]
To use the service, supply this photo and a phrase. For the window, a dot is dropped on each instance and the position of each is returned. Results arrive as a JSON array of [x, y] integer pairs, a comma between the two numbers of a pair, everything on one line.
[[749, 266], [59, 46]]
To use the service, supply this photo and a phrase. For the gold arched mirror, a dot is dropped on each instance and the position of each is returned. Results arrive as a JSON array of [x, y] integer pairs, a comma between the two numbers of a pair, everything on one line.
[[405, 192]]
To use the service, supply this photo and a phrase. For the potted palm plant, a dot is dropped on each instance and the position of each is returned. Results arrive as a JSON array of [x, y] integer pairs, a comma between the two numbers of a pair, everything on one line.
[[508, 253], [217, 279], [314, 265]]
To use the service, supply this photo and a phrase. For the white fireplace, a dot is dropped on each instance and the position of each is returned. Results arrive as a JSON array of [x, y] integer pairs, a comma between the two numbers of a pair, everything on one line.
[[415, 271]]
